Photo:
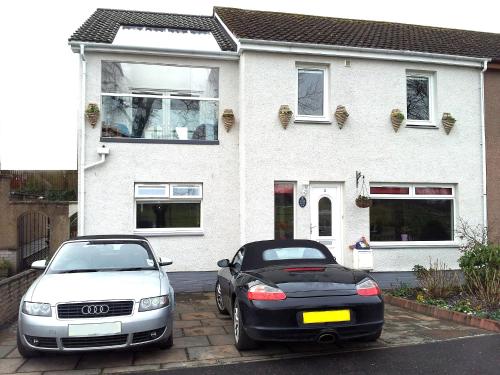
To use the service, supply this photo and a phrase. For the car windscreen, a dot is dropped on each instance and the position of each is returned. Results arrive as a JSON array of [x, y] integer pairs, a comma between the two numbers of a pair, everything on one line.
[[283, 252], [94, 256]]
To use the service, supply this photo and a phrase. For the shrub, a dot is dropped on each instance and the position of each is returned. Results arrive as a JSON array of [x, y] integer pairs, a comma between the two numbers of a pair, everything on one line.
[[437, 281], [480, 263]]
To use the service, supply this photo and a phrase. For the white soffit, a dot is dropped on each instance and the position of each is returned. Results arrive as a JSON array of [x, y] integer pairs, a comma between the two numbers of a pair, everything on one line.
[[158, 37]]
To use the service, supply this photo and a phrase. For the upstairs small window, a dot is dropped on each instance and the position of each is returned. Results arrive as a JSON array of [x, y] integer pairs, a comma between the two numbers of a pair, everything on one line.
[[311, 100], [419, 98]]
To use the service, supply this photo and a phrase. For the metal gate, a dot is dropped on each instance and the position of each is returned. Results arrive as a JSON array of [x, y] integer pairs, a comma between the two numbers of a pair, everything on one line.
[[33, 233]]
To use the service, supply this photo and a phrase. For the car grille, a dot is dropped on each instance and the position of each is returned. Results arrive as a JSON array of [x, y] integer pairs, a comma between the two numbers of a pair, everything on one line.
[[93, 309], [95, 341], [147, 335], [42, 342]]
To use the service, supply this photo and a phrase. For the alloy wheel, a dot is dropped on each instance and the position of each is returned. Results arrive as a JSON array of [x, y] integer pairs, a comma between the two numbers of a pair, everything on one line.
[[236, 323], [218, 298]]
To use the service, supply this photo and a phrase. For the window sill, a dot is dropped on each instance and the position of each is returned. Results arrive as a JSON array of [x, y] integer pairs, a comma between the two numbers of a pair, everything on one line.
[[312, 121], [162, 141], [421, 126], [414, 244], [169, 232]]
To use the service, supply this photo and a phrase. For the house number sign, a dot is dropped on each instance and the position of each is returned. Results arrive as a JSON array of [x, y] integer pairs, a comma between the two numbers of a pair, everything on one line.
[[302, 201]]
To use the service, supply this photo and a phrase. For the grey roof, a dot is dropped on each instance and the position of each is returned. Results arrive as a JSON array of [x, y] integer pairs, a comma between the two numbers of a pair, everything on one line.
[[299, 28], [103, 24]]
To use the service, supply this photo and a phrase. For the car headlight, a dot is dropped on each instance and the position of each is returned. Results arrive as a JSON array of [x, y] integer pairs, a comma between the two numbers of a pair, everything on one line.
[[153, 303], [37, 308]]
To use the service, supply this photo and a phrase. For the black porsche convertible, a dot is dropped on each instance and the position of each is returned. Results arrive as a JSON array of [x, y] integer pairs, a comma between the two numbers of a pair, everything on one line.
[[294, 290]]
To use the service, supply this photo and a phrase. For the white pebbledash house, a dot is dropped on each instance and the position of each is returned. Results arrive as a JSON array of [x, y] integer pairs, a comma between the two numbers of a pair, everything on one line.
[[245, 125]]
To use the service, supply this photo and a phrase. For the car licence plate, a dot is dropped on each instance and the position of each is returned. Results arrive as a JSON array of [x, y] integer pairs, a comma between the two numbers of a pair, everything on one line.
[[326, 316], [94, 329]]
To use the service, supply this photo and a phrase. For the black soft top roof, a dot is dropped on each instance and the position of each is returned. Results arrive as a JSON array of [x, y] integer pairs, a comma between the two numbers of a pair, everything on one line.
[[252, 258]]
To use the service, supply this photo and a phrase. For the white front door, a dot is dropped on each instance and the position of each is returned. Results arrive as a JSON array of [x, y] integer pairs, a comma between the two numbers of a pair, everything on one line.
[[326, 217]]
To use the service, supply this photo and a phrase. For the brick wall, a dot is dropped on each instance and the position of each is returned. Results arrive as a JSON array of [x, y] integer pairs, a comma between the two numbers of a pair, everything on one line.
[[11, 291]]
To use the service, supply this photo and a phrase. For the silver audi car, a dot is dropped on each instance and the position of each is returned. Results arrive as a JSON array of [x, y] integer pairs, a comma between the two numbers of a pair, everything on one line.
[[97, 292]]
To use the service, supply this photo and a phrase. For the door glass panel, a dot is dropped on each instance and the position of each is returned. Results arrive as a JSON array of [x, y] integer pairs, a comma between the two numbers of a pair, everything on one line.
[[325, 217], [283, 210]]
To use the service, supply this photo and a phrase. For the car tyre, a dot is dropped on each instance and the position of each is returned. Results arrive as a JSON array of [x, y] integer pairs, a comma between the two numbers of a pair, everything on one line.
[[373, 337], [25, 351], [219, 300], [166, 343], [242, 340]]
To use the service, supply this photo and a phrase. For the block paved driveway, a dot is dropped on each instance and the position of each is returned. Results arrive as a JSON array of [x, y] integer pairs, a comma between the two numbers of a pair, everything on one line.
[[202, 337]]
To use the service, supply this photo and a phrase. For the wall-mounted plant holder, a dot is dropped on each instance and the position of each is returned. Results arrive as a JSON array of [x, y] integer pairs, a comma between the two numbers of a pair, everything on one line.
[[228, 119], [341, 116], [397, 118], [285, 115], [92, 114], [448, 122]]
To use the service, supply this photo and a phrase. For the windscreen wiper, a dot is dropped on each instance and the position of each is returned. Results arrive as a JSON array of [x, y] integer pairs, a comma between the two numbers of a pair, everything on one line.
[[132, 269]]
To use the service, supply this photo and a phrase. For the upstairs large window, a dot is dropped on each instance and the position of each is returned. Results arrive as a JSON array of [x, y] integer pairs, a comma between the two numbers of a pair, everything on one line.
[[420, 213], [159, 102]]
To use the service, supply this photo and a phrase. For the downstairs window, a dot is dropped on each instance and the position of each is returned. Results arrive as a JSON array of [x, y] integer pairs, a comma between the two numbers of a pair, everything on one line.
[[412, 213]]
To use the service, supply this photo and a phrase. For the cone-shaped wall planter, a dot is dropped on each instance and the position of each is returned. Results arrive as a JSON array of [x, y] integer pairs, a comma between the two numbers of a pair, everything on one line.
[[341, 116], [92, 113], [285, 115], [397, 118], [228, 119], [448, 122]]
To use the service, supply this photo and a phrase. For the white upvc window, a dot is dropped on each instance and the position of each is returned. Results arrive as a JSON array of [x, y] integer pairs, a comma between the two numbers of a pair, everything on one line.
[[312, 93], [420, 101], [168, 208], [412, 214]]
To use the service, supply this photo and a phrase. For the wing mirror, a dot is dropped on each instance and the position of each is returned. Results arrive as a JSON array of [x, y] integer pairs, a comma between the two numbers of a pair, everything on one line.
[[165, 261], [223, 263], [39, 264]]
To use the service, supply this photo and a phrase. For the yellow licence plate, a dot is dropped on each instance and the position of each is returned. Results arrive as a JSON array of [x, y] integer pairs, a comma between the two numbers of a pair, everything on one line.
[[326, 316]]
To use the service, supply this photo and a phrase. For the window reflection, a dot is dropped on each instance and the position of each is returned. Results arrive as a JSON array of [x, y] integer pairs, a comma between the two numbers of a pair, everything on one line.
[[283, 210], [311, 89], [417, 93]]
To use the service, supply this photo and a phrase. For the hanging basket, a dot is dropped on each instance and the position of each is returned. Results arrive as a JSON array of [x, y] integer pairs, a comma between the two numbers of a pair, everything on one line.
[[363, 201], [285, 115], [448, 122], [397, 118], [341, 116], [92, 114], [228, 119]]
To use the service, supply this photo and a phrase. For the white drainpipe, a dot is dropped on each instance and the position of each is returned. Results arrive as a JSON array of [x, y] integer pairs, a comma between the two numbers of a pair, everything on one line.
[[81, 167], [483, 148]]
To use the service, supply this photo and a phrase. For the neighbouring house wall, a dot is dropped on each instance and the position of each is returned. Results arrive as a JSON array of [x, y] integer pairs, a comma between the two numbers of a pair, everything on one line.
[[11, 291], [109, 188], [12, 210], [492, 123], [307, 153]]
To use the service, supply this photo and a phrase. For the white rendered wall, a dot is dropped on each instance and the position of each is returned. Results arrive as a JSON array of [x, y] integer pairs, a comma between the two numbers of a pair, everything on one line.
[[323, 153], [109, 190]]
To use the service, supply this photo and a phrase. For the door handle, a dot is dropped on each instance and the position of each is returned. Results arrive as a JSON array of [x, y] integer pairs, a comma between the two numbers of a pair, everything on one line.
[[311, 228]]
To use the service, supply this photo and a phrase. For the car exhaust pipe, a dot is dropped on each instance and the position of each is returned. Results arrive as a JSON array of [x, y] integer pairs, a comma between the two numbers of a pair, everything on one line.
[[326, 338]]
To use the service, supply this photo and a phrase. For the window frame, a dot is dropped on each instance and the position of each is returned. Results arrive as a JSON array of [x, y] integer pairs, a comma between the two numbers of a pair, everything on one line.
[[170, 199], [432, 106], [309, 118], [412, 196], [162, 97]]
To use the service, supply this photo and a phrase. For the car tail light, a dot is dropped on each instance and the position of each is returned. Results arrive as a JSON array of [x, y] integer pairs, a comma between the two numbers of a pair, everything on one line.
[[368, 287], [305, 269], [263, 292]]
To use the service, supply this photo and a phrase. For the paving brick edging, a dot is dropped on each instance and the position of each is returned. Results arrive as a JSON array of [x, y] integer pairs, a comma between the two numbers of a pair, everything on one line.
[[455, 316]]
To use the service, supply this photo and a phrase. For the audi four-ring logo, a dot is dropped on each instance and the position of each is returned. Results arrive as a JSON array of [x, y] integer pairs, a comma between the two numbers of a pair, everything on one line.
[[95, 309]]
